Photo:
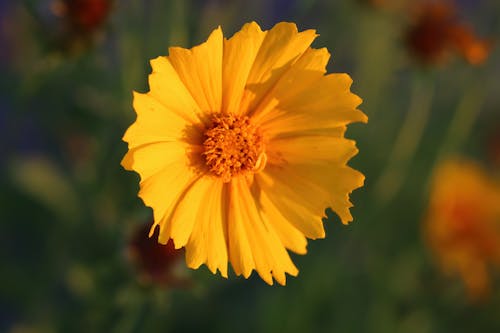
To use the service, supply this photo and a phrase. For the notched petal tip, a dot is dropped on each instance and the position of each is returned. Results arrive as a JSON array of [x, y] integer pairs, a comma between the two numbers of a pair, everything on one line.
[[346, 216], [294, 272], [137, 100], [267, 277], [215, 34], [126, 135], [285, 25], [292, 26], [252, 25], [301, 250], [248, 29], [127, 161], [362, 117], [135, 94], [152, 231], [344, 78], [323, 51], [347, 221], [223, 272], [157, 63], [360, 180]]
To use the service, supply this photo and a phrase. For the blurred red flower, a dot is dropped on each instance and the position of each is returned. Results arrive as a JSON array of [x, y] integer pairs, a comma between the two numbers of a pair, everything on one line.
[[83, 15], [156, 263], [437, 33]]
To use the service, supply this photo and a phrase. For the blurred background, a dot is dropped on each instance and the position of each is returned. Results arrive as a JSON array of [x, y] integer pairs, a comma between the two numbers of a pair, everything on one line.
[[73, 246]]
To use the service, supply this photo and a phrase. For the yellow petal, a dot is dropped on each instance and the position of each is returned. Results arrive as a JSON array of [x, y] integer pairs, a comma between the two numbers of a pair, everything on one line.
[[162, 190], [217, 257], [338, 181], [155, 123], [327, 103], [289, 236], [281, 262], [308, 69], [239, 55], [240, 252], [270, 256], [330, 92], [167, 87], [184, 216], [151, 158], [252, 224], [301, 202], [200, 69], [321, 161], [310, 150], [207, 243], [281, 47]]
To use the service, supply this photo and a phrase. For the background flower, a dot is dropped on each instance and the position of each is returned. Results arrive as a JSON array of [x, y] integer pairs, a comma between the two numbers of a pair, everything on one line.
[[463, 224], [437, 33], [156, 263]]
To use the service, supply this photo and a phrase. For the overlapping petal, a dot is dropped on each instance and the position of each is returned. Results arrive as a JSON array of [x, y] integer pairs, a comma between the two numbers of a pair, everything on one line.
[[333, 105], [262, 249], [200, 69], [280, 49], [238, 59]]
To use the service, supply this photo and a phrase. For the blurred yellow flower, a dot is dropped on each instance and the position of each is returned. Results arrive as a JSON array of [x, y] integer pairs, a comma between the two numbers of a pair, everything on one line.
[[463, 224], [240, 147]]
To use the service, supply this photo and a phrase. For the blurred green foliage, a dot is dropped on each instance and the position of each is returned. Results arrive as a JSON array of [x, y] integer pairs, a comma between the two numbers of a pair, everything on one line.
[[67, 208]]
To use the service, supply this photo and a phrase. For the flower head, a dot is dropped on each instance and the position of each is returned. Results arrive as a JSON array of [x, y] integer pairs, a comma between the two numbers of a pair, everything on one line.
[[463, 224], [240, 147]]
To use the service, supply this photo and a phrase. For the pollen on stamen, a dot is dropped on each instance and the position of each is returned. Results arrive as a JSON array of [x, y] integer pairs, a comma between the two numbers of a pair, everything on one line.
[[233, 146]]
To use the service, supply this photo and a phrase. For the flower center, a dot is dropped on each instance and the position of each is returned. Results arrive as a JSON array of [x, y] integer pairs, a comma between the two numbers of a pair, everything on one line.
[[233, 146]]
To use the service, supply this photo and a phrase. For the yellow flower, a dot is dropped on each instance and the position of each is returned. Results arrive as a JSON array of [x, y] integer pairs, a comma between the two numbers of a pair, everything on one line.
[[463, 223], [240, 147]]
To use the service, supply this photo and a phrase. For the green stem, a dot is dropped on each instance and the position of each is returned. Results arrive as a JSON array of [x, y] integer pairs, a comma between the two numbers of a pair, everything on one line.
[[461, 123], [407, 140], [463, 120]]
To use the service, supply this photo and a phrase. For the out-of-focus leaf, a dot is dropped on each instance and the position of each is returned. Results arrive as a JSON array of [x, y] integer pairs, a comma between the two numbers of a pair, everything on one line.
[[42, 179]]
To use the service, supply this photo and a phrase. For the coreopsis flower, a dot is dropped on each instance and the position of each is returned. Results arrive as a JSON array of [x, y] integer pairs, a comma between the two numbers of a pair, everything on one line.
[[463, 224], [437, 33], [240, 147], [155, 262]]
